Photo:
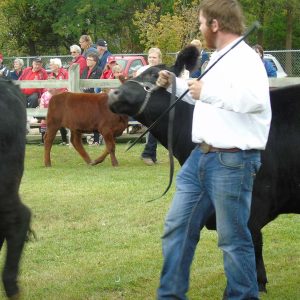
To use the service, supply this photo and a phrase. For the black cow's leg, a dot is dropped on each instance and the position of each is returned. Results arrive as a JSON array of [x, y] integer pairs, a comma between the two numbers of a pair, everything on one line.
[[15, 243], [260, 265], [1, 240]]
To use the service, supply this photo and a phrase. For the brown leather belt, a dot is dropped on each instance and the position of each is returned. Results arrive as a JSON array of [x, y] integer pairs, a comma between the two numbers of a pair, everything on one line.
[[205, 148]]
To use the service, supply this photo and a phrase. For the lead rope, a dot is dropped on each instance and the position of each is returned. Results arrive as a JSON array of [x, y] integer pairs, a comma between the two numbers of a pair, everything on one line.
[[170, 109], [170, 136]]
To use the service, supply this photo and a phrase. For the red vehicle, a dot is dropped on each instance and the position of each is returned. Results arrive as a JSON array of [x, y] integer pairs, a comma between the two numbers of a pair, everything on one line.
[[130, 63]]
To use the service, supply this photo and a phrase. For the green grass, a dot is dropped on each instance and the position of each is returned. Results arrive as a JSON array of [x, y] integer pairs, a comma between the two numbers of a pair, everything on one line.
[[99, 239]]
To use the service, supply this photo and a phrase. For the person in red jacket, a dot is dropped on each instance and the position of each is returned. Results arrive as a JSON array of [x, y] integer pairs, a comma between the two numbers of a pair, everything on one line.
[[107, 72], [57, 72], [56, 69], [75, 51], [36, 72]]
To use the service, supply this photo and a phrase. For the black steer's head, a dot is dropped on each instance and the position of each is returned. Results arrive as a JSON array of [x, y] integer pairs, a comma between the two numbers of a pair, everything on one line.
[[130, 97]]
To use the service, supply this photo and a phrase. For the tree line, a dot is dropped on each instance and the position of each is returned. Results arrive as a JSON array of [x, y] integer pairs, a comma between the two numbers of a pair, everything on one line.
[[49, 27]]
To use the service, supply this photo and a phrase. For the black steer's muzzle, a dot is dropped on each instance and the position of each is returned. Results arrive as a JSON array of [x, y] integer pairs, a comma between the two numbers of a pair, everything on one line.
[[113, 100]]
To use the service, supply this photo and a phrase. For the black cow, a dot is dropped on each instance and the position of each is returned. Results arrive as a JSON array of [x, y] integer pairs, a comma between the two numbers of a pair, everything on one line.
[[14, 216], [277, 185]]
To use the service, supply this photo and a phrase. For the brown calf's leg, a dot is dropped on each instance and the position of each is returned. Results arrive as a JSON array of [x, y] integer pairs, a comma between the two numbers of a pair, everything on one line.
[[101, 158], [77, 143], [48, 142], [109, 149]]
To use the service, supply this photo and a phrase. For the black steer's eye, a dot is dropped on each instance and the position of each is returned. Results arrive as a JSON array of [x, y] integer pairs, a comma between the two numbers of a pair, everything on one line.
[[147, 88]]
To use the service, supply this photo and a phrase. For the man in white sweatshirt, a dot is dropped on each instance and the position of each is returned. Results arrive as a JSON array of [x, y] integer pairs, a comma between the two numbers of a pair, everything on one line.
[[231, 123]]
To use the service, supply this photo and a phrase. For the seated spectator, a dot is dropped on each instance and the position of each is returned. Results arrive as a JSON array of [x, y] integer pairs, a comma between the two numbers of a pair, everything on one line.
[[36, 72], [92, 71], [107, 72], [77, 58], [18, 69], [4, 72], [86, 45], [271, 71], [57, 71], [117, 71]]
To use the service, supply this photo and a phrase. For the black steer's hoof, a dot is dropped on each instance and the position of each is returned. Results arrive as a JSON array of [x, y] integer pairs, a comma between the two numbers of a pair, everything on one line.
[[262, 288]]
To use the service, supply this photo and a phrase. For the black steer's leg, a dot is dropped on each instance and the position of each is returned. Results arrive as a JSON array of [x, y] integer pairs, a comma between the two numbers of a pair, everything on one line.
[[260, 265], [16, 236]]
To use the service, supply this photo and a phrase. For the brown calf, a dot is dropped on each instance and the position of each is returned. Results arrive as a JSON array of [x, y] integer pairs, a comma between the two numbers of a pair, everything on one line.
[[83, 113]]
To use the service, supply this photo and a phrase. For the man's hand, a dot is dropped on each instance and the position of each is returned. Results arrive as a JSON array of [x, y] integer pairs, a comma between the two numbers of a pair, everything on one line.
[[164, 79], [195, 87]]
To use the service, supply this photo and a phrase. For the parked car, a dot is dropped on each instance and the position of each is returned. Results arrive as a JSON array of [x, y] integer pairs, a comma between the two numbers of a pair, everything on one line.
[[279, 69], [130, 63]]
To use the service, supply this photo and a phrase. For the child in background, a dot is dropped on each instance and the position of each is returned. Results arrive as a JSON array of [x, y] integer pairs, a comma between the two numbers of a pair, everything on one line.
[[117, 72], [44, 103], [107, 72]]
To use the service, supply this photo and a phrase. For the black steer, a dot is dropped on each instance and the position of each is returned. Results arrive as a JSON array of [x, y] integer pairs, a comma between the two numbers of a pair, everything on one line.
[[14, 216], [277, 185]]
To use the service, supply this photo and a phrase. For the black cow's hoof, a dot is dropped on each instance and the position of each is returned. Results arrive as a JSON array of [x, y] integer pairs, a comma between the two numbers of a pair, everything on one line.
[[15, 297], [262, 288]]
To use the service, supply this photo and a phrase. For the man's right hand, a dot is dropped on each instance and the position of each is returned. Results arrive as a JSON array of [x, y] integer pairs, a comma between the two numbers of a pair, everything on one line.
[[164, 79]]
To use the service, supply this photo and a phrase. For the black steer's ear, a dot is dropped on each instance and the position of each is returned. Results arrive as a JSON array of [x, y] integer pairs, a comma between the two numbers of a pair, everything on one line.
[[188, 58]]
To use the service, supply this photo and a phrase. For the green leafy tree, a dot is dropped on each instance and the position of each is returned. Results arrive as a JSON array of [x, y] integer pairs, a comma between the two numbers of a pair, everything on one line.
[[169, 32], [278, 19], [28, 27]]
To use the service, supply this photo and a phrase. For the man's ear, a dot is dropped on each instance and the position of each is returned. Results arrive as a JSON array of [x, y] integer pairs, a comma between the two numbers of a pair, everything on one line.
[[214, 26]]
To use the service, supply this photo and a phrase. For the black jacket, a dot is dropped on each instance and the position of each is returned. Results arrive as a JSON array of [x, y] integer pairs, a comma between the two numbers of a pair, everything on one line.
[[95, 74]]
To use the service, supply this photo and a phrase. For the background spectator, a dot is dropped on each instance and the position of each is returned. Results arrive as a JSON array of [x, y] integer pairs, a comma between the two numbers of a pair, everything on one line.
[[44, 103], [4, 72], [18, 69], [36, 72], [57, 71], [117, 71], [92, 71], [107, 72], [103, 53], [203, 59], [149, 154], [86, 45], [75, 51], [271, 71]]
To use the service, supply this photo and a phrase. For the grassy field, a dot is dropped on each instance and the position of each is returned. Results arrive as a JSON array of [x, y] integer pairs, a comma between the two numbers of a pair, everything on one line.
[[97, 238]]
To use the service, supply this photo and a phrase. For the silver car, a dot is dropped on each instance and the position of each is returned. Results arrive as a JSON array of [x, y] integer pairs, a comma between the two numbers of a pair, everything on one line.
[[276, 64]]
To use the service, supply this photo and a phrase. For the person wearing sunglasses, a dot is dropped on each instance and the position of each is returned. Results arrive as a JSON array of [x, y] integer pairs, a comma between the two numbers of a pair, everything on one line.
[[75, 51]]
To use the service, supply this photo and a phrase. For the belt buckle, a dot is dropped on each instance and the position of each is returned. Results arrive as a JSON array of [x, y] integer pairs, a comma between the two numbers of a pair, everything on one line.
[[205, 148]]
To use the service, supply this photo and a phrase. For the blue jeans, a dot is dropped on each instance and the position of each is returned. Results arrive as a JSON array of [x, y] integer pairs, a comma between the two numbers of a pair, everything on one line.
[[150, 148], [214, 182]]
